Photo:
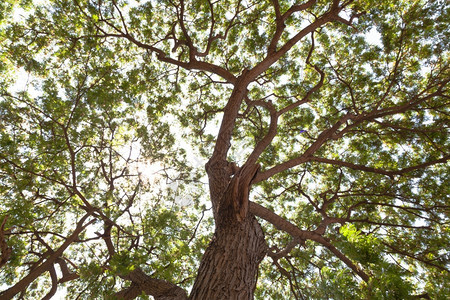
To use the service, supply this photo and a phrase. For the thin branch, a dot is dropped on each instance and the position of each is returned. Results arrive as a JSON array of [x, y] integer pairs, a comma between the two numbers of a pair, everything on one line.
[[267, 139], [392, 110], [306, 98], [193, 64], [272, 58], [121, 16], [378, 171], [307, 155]]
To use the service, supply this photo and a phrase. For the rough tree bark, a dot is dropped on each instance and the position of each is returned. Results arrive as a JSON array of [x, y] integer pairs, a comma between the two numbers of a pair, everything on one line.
[[229, 267]]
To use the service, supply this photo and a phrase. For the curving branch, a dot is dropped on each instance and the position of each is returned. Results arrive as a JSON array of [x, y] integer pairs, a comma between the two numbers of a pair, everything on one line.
[[272, 132], [193, 64], [45, 266], [274, 56], [284, 252], [307, 155], [67, 275], [303, 235], [306, 98], [188, 41], [281, 18], [162, 56], [159, 289], [54, 287]]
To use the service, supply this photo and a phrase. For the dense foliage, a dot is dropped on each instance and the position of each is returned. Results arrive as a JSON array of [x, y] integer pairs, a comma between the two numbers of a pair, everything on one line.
[[110, 109]]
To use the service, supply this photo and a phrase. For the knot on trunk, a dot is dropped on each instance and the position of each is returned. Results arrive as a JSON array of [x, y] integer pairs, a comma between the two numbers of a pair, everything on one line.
[[234, 202]]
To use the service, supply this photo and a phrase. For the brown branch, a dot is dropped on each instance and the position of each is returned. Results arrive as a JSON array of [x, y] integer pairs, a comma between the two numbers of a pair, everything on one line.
[[346, 260], [107, 238], [32, 172], [223, 141], [193, 64], [282, 224], [297, 8], [414, 102], [296, 232], [122, 19], [307, 155], [54, 287], [306, 98], [45, 266], [66, 274], [211, 38], [282, 253], [267, 139], [273, 57], [159, 289], [261, 176], [279, 28], [378, 171], [405, 253], [192, 49], [357, 120], [223, 36]]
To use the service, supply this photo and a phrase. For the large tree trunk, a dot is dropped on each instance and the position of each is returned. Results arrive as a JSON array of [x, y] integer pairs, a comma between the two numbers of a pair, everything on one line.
[[229, 267]]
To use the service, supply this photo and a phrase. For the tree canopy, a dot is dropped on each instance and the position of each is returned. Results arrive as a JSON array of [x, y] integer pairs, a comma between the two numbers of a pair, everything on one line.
[[323, 124]]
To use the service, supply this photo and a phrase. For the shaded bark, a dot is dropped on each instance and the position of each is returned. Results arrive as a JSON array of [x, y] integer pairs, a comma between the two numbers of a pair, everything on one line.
[[229, 267], [142, 283], [5, 251]]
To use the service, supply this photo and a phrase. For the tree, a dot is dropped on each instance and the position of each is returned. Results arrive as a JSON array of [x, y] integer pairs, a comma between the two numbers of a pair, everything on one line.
[[326, 150]]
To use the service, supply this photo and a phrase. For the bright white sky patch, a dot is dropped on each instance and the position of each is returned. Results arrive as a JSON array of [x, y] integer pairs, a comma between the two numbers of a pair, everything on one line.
[[373, 37]]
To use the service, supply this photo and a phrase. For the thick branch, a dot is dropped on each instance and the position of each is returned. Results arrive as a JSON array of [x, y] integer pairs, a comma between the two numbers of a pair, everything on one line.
[[231, 110], [159, 289], [18, 287], [193, 64], [298, 7], [267, 139], [280, 19], [295, 232], [54, 287], [282, 224], [5, 250], [66, 274]]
